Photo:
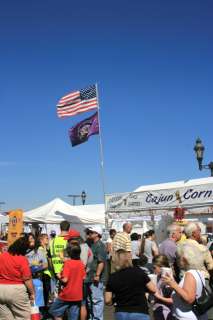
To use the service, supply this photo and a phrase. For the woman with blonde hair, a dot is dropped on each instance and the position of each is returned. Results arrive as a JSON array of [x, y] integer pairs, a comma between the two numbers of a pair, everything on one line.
[[126, 287], [162, 302], [190, 287]]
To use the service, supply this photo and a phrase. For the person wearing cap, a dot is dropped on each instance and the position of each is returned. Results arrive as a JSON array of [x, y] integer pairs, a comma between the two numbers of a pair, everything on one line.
[[52, 234], [96, 277], [72, 234], [74, 238]]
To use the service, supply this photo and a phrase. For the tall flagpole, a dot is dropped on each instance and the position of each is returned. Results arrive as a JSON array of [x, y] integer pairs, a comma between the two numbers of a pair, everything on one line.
[[101, 155]]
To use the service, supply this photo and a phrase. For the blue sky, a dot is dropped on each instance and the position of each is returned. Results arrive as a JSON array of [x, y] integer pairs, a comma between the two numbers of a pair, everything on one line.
[[153, 63]]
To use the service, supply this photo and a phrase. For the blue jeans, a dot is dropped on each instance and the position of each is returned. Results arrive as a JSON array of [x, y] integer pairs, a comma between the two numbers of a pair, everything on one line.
[[59, 307], [96, 300], [131, 316]]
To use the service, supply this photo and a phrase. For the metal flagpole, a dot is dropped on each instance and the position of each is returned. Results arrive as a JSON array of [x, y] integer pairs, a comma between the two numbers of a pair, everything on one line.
[[101, 156]]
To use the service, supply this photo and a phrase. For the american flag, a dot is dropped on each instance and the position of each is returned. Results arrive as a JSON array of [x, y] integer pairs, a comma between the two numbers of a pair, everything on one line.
[[77, 102]]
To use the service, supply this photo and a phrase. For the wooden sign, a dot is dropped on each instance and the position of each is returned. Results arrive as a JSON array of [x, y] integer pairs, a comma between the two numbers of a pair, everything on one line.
[[15, 228]]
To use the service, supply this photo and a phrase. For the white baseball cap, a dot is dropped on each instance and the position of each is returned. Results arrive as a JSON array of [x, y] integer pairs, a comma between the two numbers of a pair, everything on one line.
[[97, 229]]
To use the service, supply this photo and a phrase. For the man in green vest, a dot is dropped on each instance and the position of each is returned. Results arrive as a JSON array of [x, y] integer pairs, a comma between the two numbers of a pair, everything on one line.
[[57, 246]]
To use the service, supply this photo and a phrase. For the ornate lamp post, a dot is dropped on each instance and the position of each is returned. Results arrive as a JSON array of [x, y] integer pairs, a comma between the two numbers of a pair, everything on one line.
[[199, 150], [83, 196], [1, 203]]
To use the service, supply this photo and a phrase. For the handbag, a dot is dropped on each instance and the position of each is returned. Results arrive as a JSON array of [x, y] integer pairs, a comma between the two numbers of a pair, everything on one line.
[[204, 302], [35, 315]]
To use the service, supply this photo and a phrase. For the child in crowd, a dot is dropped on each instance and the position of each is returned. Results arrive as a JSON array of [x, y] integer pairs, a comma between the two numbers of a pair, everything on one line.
[[163, 301], [71, 294], [144, 265], [86, 257]]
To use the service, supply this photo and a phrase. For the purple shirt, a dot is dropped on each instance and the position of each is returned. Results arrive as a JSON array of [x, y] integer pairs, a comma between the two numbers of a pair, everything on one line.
[[168, 247]]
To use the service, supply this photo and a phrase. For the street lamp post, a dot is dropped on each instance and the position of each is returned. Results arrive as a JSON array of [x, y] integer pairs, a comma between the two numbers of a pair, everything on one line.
[[199, 150], [1, 203], [83, 196]]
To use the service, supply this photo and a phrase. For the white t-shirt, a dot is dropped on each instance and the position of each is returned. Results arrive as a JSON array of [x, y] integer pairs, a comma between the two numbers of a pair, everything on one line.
[[135, 249], [183, 310], [109, 241]]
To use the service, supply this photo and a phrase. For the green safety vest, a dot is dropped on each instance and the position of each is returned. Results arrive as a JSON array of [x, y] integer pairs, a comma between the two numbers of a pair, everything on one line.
[[57, 246]]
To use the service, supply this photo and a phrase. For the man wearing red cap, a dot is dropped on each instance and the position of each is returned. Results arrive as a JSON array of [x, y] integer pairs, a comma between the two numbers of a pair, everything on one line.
[[74, 237], [72, 234]]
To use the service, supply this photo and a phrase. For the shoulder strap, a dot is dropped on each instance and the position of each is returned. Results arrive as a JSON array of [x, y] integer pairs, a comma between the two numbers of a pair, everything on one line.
[[203, 285]]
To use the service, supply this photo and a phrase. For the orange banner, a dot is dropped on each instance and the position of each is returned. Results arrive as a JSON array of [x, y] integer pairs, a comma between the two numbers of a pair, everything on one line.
[[15, 225]]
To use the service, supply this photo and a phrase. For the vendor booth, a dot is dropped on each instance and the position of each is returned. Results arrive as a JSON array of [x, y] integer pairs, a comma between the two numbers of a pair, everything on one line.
[[152, 206], [156, 206]]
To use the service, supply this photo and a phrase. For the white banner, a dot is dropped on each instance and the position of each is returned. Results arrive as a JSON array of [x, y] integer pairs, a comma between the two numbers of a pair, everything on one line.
[[186, 197]]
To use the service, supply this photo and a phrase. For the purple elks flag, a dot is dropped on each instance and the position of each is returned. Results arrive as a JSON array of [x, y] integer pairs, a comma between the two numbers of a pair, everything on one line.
[[83, 130]]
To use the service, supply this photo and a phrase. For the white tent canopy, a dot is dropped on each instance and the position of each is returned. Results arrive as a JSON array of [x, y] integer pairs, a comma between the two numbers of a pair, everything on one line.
[[58, 210], [175, 184], [96, 210]]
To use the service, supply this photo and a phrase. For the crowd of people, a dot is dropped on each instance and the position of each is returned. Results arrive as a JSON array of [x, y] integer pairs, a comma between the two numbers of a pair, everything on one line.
[[72, 278]]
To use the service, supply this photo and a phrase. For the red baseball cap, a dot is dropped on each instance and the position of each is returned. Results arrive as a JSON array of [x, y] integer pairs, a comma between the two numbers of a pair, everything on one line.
[[72, 234]]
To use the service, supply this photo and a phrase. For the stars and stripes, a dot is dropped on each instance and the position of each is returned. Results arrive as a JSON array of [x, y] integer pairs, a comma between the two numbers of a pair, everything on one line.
[[78, 102]]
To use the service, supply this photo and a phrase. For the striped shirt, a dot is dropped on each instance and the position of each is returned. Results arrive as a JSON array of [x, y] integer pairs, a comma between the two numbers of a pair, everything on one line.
[[121, 241]]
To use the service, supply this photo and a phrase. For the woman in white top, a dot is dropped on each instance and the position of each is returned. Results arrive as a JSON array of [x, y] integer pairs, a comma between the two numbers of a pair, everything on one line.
[[135, 245], [148, 245], [190, 287]]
